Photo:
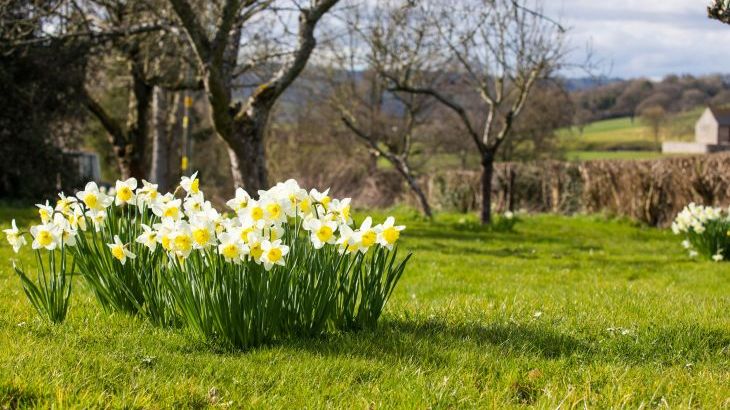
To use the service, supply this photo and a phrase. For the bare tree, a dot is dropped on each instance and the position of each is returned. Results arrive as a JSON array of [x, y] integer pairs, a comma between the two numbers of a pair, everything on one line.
[[243, 126], [385, 122], [654, 116], [498, 48]]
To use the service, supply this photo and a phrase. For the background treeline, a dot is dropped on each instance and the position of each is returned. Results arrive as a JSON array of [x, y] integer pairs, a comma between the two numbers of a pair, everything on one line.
[[628, 98], [371, 99]]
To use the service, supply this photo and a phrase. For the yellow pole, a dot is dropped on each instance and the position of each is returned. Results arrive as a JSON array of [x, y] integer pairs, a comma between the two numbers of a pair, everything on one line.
[[187, 103]]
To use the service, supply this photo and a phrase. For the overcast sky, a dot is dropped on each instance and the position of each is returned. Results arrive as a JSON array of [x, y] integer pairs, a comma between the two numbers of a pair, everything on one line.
[[649, 38]]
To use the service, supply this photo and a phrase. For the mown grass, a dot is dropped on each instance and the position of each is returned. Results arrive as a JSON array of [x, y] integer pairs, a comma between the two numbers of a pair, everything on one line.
[[565, 311]]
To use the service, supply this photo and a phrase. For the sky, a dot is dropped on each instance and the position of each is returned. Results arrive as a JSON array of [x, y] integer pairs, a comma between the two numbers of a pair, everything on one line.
[[644, 38]]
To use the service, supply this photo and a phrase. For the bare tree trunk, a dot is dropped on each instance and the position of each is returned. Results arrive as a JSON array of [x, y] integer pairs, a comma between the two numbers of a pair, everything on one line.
[[405, 171], [160, 141], [416, 188], [511, 183], [247, 154], [129, 143], [487, 173], [174, 138], [133, 161]]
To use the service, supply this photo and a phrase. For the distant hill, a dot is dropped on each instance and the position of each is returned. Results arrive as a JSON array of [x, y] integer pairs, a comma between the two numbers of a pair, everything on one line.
[[586, 83]]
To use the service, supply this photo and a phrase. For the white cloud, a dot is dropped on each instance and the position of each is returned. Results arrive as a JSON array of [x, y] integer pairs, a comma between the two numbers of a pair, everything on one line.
[[646, 38]]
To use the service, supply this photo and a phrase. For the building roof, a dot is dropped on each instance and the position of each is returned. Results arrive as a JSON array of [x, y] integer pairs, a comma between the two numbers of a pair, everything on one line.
[[721, 114]]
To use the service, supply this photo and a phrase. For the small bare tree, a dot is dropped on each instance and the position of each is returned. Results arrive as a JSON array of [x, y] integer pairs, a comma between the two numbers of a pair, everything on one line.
[[243, 126], [385, 122], [654, 116], [499, 49]]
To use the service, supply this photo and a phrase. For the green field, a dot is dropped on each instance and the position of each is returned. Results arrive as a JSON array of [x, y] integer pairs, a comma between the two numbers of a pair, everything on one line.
[[624, 138], [564, 312], [594, 155]]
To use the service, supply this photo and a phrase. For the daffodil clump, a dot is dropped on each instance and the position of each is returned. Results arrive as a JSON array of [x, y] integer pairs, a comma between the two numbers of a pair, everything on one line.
[[706, 231], [290, 261], [50, 292]]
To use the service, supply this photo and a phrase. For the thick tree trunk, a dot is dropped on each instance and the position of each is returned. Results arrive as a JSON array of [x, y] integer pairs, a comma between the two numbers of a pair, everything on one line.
[[487, 173], [132, 160], [160, 142], [247, 154]]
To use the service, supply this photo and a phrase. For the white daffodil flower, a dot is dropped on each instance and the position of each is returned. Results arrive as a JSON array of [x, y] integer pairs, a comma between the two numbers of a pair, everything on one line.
[[321, 197], [66, 204], [366, 235], [232, 248], [164, 233], [147, 194], [168, 209], [125, 192], [94, 198], [191, 184], [45, 212], [321, 232], [273, 253], [98, 217], [120, 251], [148, 238], [341, 210], [182, 239], [255, 250], [15, 237], [388, 232], [67, 234], [346, 242], [240, 202], [276, 210], [193, 204], [203, 232], [45, 236], [274, 232]]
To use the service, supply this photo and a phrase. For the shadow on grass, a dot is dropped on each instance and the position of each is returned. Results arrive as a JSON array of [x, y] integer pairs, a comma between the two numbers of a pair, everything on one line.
[[522, 252], [433, 342], [449, 232], [14, 397], [436, 342]]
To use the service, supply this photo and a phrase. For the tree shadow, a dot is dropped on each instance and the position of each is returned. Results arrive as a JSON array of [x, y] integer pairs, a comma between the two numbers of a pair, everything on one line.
[[448, 232], [521, 251], [432, 342]]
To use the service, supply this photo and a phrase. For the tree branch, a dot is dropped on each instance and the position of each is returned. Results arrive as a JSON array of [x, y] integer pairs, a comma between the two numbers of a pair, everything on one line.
[[453, 106], [267, 93], [113, 128], [193, 28]]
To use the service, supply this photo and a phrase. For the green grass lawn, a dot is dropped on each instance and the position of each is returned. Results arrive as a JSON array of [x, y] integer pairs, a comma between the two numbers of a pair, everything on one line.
[[565, 311]]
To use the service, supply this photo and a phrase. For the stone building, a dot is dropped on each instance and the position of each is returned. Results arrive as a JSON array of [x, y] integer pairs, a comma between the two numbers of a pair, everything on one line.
[[712, 134]]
